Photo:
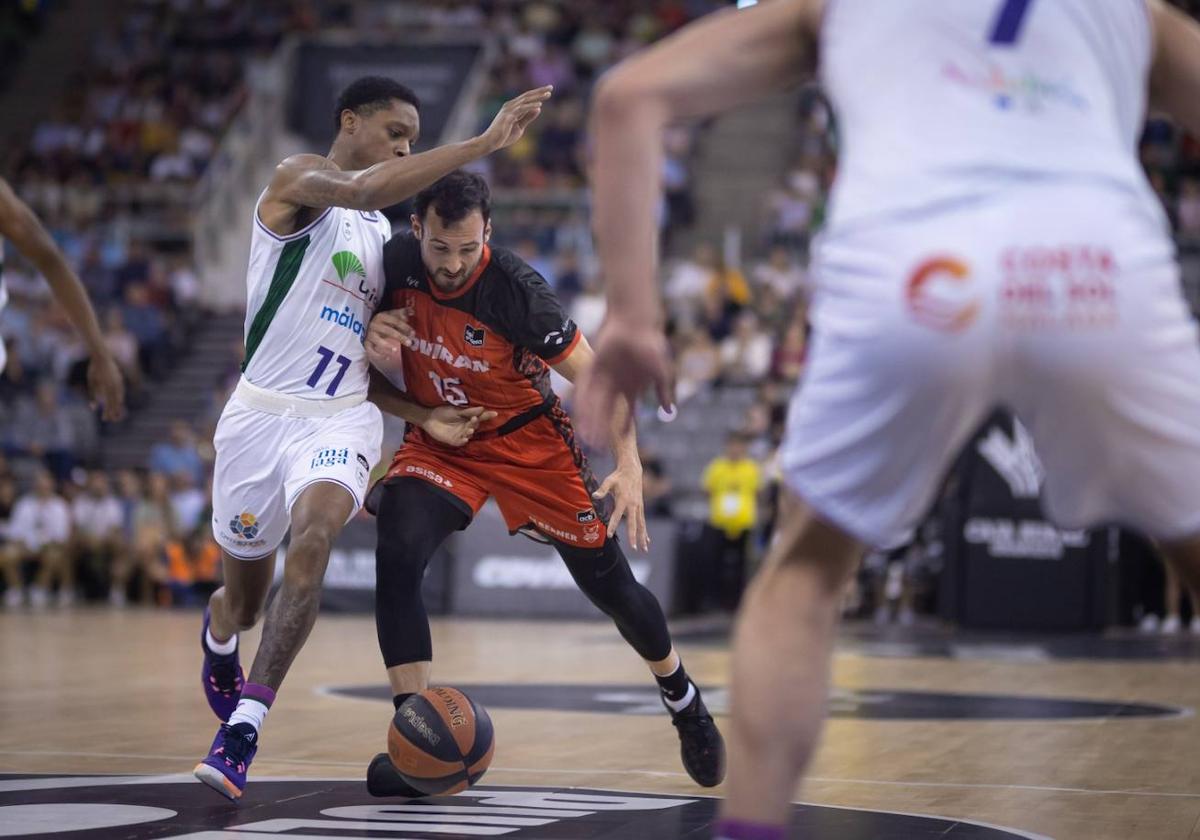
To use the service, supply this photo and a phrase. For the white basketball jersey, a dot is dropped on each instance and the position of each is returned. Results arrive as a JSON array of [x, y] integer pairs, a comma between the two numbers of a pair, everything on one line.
[[310, 297], [943, 101]]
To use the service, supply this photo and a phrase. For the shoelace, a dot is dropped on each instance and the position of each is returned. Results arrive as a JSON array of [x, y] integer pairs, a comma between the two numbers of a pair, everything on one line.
[[225, 676], [692, 723], [235, 747]]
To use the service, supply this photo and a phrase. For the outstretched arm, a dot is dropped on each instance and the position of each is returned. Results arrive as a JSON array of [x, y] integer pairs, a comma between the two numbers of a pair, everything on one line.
[[723, 60], [1175, 76], [624, 441], [314, 182], [19, 225]]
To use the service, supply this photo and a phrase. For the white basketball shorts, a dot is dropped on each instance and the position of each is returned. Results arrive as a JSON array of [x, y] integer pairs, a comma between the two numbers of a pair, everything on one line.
[[1061, 302], [265, 460]]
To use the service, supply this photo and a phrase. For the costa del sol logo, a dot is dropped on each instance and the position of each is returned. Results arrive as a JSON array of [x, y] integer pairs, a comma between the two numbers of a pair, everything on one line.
[[244, 525], [940, 295]]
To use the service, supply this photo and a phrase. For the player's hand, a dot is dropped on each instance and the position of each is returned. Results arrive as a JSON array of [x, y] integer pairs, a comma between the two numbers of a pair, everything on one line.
[[106, 387], [515, 116], [455, 426], [387, 334], [631, 357], [625, 484]]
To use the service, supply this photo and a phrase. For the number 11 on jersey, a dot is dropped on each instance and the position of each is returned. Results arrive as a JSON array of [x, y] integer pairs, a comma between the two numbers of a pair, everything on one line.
[[326, 357]]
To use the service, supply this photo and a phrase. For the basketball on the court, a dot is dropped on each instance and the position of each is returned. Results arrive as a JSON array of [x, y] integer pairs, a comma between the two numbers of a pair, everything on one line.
[[441, 741]]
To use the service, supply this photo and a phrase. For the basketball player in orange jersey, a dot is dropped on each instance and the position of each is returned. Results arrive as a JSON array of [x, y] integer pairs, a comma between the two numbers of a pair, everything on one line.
[[991, 239], [482, 328], [21, 227]]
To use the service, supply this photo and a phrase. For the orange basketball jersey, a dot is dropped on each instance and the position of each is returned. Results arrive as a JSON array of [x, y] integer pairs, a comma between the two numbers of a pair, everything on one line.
[[490, 343]]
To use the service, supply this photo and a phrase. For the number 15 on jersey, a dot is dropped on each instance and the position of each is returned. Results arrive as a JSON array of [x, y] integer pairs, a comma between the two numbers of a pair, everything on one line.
[[449, 389]]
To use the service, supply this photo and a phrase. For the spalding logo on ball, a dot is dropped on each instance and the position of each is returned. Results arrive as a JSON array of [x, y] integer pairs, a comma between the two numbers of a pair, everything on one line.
[[441, 741]]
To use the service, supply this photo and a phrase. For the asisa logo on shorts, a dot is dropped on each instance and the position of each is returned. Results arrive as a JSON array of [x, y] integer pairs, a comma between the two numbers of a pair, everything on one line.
[[330, 458], [436, 478], [941, 296], [244, 525]]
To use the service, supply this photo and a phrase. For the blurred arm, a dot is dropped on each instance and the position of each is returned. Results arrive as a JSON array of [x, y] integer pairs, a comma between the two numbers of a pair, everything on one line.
[[19, 225], [726, 59], [624, 433], [1175, 76]]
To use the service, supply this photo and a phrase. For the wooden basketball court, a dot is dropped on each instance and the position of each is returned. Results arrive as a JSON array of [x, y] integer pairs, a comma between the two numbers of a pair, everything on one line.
[[106, 692]]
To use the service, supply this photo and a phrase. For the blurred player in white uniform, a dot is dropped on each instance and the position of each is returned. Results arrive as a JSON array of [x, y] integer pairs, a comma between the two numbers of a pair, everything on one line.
[[991, 240], [297, 440], [21, 227]]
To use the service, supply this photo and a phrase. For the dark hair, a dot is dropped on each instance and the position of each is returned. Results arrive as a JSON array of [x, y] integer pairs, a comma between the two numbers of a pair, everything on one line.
[[455, 196], [367, 95]]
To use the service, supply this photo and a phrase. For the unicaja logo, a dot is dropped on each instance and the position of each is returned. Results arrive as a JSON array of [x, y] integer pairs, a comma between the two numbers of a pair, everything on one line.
[[940, 296], [346, 263]]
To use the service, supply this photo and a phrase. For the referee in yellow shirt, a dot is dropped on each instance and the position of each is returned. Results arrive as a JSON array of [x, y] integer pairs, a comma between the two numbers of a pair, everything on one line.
[[733, 481]]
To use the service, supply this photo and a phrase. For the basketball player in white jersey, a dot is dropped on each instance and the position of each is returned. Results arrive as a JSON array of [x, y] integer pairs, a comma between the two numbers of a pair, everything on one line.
[[991, 240], [296, 442], [21, 227]]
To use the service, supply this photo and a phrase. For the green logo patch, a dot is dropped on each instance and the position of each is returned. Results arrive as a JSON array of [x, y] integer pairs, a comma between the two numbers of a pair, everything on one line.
[[345, 262]]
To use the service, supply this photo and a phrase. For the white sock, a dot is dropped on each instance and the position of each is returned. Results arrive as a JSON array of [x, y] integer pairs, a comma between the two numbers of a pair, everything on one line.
[[220, 648], [680, 705], [251, 712]]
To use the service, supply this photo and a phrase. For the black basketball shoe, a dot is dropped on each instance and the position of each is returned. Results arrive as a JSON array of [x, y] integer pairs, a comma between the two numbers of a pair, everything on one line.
[[700, 743], [383, 779]]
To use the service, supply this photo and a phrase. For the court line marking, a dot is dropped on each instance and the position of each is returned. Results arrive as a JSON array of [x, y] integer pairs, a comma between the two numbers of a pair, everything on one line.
[[336, 692], [63, 783], [551, 771]]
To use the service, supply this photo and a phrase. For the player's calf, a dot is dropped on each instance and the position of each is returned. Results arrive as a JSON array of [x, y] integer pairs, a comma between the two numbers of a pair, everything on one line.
[[221, 673]]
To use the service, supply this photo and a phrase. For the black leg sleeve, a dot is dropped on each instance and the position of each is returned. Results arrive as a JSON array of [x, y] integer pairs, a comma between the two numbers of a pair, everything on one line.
[[603, 574], [414, 519]]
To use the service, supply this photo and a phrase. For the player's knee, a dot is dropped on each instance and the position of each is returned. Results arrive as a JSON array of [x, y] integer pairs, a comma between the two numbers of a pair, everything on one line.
[[603, 574], [399, 574], [810, 546], [311, 542]]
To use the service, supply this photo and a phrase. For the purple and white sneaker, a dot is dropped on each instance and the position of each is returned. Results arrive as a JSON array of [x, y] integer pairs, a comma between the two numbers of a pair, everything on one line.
[[224, 769], [222, 677]]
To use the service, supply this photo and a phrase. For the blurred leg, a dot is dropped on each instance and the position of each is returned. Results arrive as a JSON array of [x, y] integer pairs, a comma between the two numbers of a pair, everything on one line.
[[1183, 566], [783, 639]]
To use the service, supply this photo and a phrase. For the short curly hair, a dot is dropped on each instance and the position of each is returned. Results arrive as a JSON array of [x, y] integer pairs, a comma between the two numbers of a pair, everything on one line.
[[454, 196], [367, 95]]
